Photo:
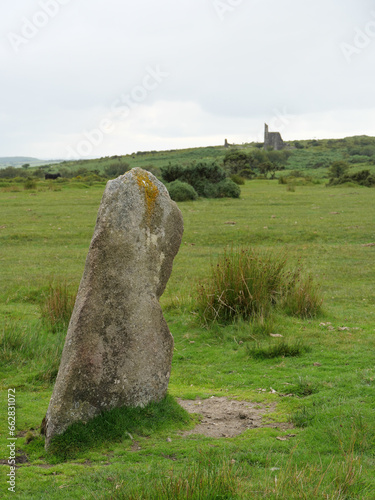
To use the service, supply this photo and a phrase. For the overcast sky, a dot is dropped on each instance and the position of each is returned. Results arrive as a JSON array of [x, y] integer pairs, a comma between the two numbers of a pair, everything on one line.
[[90, 78]]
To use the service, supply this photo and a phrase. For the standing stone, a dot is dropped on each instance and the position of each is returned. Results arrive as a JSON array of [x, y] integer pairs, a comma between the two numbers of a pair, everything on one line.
[[118, 349]]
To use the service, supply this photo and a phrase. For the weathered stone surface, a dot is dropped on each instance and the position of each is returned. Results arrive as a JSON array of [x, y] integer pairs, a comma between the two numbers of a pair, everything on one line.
[[118, 348]]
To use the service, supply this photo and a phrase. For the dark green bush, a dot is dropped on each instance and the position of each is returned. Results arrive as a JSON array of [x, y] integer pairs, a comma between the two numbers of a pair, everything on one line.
[[237, 179], [206, 172], [116, 169], [236, 161], [208, 179], [338, 168], [362, 178], [171, 173], [12, 172], [360, 159], [181, 191], [227, 189]]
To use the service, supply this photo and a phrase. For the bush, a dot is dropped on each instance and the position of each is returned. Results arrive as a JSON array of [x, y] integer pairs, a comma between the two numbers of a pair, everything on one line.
[[12, 172], [227, 189], [116, 169], [362, 178], [171, 173], [360, 159], [29, 183], [208, 180], [181, 191], [237, 179], [203, 172], [338, 168], [245, 283], [236, 161]]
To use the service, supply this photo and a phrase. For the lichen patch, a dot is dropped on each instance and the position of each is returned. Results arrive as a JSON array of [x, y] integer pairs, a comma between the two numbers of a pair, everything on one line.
[[149, 189]]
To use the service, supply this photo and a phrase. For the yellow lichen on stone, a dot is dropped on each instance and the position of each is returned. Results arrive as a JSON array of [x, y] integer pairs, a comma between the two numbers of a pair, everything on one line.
[[150, 191]]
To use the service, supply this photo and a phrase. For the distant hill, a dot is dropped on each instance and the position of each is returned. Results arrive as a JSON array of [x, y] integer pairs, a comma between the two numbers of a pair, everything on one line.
[[311, 157], [18, 161]]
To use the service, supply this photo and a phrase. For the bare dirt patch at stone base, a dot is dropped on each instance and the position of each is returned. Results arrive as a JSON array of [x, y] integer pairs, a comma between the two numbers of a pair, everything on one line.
[[223, 417]]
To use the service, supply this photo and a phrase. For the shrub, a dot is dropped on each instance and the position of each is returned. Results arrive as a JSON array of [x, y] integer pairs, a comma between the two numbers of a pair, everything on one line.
[[29, 183], [338, 168], [116, 169], [237, 179], [206, 172], [236, 161], [181, 191], [57, 306], [171, 173], [227, 189], [363, 178], [247, 284], [12, 172], [208, 179], [360, 159]]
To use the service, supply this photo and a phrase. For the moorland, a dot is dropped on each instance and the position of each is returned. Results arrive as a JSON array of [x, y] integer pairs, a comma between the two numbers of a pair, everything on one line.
[[316, 396]]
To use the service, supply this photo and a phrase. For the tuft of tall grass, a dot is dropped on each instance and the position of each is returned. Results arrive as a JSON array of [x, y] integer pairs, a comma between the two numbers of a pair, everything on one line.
[[31, 346], [276, 350], [303, 387], [304, 417], [337, 481], [247, 283], [304, 298], [208, 481], [243, 283], [57, 306]]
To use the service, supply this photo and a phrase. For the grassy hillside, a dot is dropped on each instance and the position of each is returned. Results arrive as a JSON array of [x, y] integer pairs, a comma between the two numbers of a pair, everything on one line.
[[18, 161], [311, 157], [316, 434]]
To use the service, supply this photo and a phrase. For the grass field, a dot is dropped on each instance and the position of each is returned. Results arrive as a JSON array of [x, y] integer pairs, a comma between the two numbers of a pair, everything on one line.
[[327, 392]]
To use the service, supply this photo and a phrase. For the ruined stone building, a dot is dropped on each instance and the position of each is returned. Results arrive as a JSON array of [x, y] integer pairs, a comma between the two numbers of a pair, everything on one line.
[[272, 139]]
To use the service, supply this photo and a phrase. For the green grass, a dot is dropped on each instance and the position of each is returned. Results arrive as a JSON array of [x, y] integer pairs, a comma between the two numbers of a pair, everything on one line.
[[327, 391], [280, 349], [118, 425]]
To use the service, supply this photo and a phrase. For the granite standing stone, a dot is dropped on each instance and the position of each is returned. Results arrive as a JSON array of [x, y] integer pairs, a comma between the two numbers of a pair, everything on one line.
[[118, 348]]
